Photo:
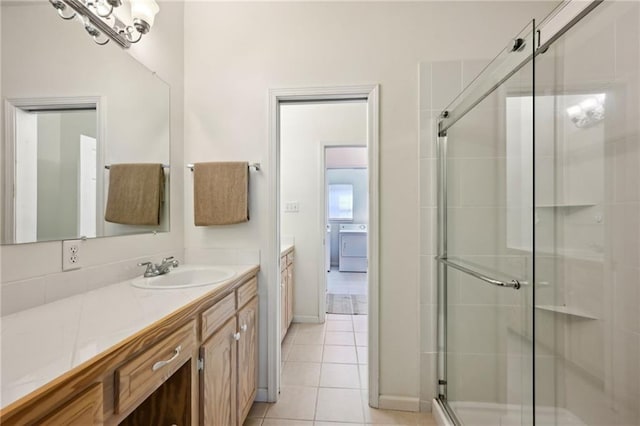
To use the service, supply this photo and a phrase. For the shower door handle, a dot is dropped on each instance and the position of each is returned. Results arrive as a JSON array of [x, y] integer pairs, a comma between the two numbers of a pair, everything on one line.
[[514, 284]]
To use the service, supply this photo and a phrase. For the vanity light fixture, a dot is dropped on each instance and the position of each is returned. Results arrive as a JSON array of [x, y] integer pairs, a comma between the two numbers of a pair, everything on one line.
[[100, 20]]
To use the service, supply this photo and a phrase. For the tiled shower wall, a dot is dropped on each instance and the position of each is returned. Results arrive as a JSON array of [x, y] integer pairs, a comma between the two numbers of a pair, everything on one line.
[[440, 83], [587, 362]]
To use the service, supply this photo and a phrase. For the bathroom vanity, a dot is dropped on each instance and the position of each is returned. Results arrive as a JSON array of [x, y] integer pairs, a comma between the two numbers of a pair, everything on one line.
[[286, 289], [131, 356]]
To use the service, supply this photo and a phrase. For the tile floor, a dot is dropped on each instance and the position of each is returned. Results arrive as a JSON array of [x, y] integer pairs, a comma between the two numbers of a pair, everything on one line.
[[324, 380], [346, 282]]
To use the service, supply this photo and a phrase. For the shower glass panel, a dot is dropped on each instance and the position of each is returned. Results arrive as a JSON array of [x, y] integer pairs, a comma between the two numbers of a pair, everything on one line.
[[587, 222], [487, 168], [539, 228]]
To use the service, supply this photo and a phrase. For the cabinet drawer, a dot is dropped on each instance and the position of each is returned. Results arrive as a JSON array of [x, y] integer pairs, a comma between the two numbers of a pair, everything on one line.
[[139, 377], [214, 317], [289, 258], [247, 291], [83, 410]]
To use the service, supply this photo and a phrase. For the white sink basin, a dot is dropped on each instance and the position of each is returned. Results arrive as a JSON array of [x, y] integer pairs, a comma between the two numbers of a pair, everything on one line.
[[185, 277]]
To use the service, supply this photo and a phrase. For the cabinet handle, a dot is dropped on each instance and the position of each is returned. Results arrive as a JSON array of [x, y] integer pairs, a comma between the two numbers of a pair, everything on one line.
[[236, 336], [244, 327], [158, 365]]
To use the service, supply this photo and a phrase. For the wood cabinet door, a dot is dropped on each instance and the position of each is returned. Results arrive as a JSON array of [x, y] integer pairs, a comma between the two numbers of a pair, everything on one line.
[[289, 294], [284, 277], [247, 358], [220, 377]]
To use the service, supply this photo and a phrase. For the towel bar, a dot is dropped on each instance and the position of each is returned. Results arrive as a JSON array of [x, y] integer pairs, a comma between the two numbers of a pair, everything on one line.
[[255, 166], [164, 166]]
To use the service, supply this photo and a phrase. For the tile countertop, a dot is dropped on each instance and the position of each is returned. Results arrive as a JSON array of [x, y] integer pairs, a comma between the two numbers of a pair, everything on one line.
[[43, 343], [284, 248]]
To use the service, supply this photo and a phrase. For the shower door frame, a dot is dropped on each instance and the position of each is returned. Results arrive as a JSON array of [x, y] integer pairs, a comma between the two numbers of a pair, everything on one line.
[[559, 21]]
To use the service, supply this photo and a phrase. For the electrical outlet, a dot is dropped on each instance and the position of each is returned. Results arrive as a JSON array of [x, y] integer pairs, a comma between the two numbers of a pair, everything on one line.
[[71, 255]]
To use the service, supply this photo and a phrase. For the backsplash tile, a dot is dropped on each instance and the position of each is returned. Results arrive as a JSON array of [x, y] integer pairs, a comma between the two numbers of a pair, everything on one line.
[[221, 256], [23, 261], [19, 295]]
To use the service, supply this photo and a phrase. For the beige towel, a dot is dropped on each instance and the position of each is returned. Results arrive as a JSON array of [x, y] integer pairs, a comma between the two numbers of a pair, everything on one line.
[[220, 193], [136, 192]]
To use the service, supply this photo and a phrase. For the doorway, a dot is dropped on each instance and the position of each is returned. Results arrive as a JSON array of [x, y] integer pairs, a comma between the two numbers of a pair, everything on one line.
[[345, 209], [291, 226]]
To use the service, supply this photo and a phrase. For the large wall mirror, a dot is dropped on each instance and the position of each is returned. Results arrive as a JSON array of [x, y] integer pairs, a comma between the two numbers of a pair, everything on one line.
[[71, 110]]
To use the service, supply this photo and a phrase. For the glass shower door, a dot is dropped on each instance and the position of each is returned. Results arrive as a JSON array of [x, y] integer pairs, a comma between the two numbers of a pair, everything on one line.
[[486, 247], [587, 316]]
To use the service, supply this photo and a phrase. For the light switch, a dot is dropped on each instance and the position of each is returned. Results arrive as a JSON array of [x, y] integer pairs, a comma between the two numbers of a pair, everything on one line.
[[291, 207]]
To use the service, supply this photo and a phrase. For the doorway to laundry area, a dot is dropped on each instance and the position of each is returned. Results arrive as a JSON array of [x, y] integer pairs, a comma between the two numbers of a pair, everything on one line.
[[346, 215], [303, 201]]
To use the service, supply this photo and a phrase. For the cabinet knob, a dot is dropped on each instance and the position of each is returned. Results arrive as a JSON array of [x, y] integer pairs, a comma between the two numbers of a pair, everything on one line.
[[236, 336], [244, 327]]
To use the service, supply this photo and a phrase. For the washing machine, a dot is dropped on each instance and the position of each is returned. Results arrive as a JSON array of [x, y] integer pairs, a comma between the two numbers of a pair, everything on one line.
[[353, 248]]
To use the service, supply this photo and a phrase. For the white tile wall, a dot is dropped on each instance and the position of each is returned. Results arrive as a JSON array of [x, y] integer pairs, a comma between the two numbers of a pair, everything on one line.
[[589, 367], [477, 182], [226, 256], [440, 82], [19, 295]]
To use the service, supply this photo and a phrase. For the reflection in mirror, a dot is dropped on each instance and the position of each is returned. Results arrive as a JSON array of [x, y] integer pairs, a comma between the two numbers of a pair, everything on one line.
[[71, 110], [55, 150], [570, 168]]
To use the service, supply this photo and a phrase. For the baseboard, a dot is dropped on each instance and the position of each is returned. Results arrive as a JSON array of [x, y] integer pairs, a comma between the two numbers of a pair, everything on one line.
[[425, 406], [400, 403], [442, 419], [261, 395], [307, 319]]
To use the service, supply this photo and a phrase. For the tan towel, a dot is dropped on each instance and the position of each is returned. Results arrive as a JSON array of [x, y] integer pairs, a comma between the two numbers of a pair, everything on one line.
[[220, 193], [136, 192]]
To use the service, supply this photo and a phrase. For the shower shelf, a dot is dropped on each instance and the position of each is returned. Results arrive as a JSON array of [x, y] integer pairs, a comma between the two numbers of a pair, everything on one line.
[[564, 205], [565, 310]]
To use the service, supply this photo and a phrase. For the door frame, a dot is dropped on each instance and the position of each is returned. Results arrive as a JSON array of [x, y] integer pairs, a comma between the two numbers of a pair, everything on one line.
[[370, 94]]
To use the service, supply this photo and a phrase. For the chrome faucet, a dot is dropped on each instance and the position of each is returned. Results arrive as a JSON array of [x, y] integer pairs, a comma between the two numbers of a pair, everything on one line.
[[164, 267]]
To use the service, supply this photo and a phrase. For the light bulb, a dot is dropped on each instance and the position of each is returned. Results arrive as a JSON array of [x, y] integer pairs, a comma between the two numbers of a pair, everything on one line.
[[574, 111], [103, 9], [145, 12], [589, 104]]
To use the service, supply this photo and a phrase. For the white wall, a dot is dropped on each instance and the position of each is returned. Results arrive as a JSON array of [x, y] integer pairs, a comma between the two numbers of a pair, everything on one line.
[[31, 273], [304, 128], [58, 168], [346, 158], [236, 52]]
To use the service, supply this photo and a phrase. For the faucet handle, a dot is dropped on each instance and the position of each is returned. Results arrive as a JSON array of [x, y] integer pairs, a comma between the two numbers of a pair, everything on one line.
[[166, 259], [151, 269]]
